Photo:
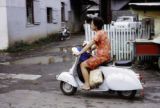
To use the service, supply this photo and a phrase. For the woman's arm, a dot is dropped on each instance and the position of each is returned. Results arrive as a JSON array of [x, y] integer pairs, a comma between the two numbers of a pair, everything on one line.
[[87, 47]]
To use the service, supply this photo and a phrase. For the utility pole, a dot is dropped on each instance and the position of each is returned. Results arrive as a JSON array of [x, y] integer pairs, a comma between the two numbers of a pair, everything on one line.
[[105, 11]]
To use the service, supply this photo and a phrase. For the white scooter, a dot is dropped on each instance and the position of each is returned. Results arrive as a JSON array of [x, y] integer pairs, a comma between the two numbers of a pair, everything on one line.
[[122, 80]]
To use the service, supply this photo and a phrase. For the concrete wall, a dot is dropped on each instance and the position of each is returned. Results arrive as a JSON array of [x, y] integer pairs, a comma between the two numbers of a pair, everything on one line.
[[14, 26], [151, 14], [3, 25], [56, 5], [18, 29]]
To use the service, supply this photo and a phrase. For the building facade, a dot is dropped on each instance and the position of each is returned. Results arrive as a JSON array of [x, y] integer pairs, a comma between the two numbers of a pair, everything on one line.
[[29, 20], [149, 14]]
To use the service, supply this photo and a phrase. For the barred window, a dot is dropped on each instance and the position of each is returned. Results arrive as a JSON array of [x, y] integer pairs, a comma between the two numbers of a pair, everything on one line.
[[62, 11], [49, 15], [33, 12], [30, 13]]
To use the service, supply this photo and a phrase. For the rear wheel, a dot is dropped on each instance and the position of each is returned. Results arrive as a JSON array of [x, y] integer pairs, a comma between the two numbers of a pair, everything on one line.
[[127, 94], [67, 89]]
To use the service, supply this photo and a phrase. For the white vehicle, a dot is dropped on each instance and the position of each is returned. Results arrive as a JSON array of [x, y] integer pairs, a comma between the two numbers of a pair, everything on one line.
[[126, 22], [124, 81]]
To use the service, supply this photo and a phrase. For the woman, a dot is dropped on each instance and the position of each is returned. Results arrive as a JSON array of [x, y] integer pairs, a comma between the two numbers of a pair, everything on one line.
[[100, 40]]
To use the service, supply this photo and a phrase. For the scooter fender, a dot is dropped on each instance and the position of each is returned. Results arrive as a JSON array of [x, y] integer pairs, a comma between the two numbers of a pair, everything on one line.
[[67, 77], [121, 79], [123, 82]]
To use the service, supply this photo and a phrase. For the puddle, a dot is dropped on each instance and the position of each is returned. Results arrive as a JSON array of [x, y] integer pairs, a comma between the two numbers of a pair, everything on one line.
[[61, 49], [19, 76], [3, 86], [25, 76], [40, 60], [65, 55]]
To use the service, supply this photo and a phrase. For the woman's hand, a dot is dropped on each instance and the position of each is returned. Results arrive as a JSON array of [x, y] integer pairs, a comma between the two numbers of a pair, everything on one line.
[[77, 53]]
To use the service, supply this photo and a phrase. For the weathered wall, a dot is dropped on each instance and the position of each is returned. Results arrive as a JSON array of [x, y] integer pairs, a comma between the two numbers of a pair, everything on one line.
[[14, 26], [18, 29], [151, 14]]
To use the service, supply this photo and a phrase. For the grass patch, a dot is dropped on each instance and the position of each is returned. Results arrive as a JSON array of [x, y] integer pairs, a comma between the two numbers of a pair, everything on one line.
[[21, 46]]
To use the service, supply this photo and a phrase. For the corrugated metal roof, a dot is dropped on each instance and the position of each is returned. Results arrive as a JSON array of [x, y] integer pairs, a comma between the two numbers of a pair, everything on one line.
[[119, 4], [145, 4], [93, 8]]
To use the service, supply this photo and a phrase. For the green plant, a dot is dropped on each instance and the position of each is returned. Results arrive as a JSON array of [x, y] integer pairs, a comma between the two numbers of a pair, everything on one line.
[[19, 46], [24, 46], [45, 40]]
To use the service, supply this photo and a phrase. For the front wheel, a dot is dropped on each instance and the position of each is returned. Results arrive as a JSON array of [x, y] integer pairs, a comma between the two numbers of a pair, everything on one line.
[[127, 94], [67, 89]]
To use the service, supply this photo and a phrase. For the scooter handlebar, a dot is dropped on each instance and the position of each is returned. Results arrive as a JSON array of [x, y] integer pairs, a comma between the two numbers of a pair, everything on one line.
[[75, 50]]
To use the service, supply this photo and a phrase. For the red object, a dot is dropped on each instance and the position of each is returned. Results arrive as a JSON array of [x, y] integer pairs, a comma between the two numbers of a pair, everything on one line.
[[151, 49]]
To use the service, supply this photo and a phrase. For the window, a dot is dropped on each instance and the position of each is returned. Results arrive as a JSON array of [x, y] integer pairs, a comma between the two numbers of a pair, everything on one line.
[[33, 12], [49, 15], [62, 11], [30, 13]]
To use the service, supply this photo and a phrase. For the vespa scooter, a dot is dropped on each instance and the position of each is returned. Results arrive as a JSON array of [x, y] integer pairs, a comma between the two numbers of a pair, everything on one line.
[[122, 80]]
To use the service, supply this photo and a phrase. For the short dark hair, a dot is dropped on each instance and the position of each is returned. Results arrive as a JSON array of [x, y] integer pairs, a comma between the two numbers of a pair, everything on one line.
[[98, 22]]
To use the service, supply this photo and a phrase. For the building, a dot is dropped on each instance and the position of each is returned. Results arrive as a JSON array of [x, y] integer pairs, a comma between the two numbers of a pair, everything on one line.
[[29, 20], [149, 14], [118, 8]]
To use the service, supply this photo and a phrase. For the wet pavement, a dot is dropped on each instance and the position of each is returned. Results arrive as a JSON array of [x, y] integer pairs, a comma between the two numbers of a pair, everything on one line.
[[54, 51], [28, 80], [44, 92]]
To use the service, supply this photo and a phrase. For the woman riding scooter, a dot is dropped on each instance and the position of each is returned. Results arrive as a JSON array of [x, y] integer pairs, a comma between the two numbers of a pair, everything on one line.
[[101, 41]]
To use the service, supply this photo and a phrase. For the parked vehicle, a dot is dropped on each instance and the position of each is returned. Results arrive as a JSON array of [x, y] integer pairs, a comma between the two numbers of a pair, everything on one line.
[[64, 34], [117, 78], [126, 22]]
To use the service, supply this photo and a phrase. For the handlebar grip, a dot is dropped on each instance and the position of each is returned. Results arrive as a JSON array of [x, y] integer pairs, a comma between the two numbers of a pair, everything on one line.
[[75, 50]]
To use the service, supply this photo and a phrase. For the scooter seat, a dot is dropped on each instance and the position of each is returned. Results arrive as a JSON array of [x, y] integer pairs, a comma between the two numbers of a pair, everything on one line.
[[106, 63], [123, 63]]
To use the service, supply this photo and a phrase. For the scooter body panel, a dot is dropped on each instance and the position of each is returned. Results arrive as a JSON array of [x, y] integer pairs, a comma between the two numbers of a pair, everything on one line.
[[67, 77], [103, 87], [121, 79]]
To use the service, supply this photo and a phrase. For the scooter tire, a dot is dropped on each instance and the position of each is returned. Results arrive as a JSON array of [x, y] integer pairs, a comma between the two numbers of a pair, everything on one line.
[[67, 91], [130, 95]]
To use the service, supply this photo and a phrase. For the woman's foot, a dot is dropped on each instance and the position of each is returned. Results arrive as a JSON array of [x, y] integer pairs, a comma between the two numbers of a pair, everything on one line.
[[85, 87]]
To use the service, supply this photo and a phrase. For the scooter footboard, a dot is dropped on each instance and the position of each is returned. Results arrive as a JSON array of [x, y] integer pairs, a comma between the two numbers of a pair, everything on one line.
[[67, 77], [123, 82]]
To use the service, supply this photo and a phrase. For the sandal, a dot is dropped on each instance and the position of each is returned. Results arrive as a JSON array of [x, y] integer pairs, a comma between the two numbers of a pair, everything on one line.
[[85, 88]]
